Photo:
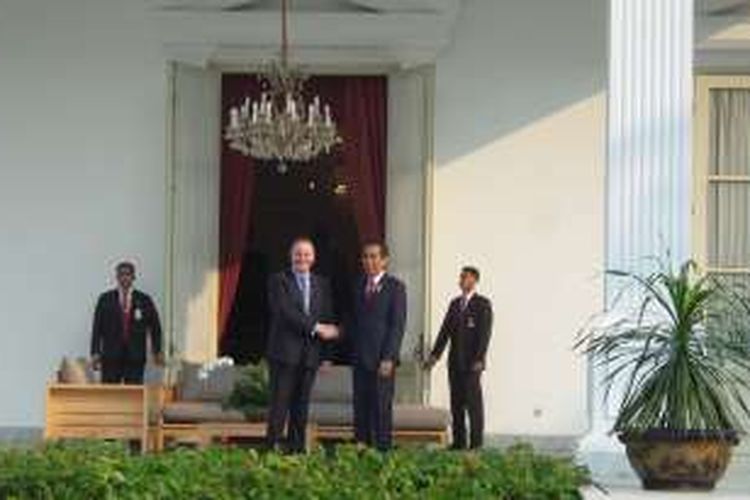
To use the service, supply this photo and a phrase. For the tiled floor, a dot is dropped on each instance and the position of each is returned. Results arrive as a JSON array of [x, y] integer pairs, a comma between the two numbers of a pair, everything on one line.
[[635, 494]]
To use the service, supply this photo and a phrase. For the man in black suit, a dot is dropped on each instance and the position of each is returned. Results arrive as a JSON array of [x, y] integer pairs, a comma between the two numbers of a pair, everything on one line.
[[376, 330], [124, 320], [468, 326], [301, 310]]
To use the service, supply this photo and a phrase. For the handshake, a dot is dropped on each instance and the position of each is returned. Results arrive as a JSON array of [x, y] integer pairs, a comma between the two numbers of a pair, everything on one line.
[[327, 331]]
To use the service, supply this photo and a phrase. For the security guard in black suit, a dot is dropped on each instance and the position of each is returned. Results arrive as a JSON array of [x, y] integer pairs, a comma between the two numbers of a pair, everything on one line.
[[468, 327]]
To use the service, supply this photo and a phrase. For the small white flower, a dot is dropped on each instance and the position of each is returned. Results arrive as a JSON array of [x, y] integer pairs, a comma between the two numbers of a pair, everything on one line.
[[225, 361], [137, 314]]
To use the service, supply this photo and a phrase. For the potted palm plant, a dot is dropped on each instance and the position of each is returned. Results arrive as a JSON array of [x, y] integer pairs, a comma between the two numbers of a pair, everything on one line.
[[680, 357]]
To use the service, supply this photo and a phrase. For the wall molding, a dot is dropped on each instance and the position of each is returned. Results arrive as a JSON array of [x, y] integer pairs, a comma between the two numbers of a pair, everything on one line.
[[401, 39]]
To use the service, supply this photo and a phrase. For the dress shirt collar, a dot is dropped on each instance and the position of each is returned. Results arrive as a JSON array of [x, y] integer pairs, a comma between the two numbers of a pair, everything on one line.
[[466, 298], [301, 275], [375, 279]]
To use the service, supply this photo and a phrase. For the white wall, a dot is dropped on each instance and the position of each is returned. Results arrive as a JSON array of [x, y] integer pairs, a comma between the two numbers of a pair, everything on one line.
[[518, 187], [82, 107], [519, 191]]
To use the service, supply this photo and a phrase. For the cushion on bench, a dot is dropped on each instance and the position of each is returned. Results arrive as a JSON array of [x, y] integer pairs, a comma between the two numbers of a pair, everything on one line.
[[405, 416], [333, 385], [332, 414], [331, 401], [215, 388], [189, 412], [418, 417]]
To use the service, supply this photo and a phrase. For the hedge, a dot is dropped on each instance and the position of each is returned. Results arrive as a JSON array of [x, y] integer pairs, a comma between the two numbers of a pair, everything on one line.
[[106, 471]]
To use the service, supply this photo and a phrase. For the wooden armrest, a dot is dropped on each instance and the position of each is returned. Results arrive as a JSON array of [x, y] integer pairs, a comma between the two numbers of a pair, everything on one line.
[[170, 394]]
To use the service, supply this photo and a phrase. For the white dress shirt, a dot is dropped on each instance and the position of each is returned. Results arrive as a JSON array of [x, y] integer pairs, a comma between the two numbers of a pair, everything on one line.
[[466, 298]]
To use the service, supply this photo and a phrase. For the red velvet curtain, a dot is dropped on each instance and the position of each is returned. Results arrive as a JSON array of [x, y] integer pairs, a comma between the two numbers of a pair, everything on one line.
[[359, 105], [364, 118], [237, 185]]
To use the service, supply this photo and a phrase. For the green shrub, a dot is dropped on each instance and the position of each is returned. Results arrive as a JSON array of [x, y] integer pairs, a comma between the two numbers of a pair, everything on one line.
[[106, 471], [251, 391]]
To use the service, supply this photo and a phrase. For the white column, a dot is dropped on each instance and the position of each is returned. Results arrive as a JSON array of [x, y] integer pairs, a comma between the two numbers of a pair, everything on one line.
[[194, 213], [649, 150]]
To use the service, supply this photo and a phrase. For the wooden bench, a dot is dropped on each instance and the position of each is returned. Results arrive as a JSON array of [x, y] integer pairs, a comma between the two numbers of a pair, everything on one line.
[[400, 436], [202, 434], [123, 412], [205, 434], [97, 411]]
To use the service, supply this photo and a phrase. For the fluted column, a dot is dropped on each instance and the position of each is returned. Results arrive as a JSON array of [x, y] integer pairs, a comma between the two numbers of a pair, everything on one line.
[[649, 148], [650, 109]]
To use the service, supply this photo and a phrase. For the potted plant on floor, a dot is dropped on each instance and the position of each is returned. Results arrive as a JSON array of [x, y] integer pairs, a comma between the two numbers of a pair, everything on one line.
[[681, 356], [251, 391]]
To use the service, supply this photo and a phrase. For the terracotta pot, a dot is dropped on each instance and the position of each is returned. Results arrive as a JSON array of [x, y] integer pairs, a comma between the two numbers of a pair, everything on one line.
[[679, 460]]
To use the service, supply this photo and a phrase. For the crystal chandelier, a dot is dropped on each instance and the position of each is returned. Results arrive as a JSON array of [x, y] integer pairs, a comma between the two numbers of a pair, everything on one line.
[[282, 126]]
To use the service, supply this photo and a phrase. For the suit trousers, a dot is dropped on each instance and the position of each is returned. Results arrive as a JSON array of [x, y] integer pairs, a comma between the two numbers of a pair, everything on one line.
[[122, 370], [373, 408], [466, 397], [290, 400]]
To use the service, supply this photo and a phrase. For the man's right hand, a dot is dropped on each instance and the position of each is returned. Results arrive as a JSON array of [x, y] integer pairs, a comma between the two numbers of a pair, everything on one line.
[[327, 331], [96, 362], [325, 367]]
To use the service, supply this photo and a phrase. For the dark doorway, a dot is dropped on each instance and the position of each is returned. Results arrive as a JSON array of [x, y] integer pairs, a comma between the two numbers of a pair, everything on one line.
[[310, 200]]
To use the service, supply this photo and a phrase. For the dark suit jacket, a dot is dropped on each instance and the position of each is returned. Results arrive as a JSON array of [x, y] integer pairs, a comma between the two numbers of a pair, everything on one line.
[[377, 326], [290, 338], [107, 338], [468, 331]]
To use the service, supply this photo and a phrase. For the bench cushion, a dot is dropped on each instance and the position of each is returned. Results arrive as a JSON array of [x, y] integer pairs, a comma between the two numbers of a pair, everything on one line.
[[418, 417], [333, 385], [215, 388], [188, 412], [75, 371], [333, 414], [405, 416]]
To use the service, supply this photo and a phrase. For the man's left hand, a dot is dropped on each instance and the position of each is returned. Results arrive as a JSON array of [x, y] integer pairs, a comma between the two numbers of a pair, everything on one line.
[[478, 366], [430, 363], [386, 368]]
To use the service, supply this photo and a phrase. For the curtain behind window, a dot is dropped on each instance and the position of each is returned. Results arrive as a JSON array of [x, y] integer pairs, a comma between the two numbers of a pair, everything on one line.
[[729, 183]]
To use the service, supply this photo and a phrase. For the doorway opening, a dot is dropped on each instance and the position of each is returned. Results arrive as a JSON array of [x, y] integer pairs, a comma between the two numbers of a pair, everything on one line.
[[311, 200], [336, 200]]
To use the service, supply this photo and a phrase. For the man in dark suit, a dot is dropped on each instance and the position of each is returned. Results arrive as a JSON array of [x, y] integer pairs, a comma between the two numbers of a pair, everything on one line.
[[301, 310], [377, 328], [468, 326], [125, 320]]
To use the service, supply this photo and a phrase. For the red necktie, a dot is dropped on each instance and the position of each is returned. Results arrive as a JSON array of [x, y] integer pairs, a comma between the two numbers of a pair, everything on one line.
[[370, 290], [126, 313]]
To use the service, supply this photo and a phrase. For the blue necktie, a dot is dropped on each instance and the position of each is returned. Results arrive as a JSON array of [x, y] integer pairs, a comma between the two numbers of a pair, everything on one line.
[[303, 280]]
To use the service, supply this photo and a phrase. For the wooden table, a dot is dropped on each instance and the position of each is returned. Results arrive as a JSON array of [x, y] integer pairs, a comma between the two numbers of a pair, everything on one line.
[[97, 411]]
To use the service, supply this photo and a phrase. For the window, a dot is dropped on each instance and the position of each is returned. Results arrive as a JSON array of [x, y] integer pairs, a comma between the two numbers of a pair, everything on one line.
[[722, 183]]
